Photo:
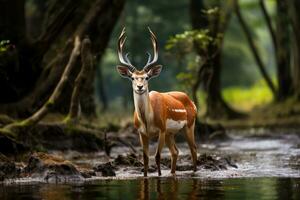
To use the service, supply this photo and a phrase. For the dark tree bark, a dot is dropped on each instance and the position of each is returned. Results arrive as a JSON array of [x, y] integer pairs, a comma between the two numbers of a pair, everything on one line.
[[211, 70], [254, 50], [101, 91], [294, 14], [98, 22], [14, 62], [57, 17], [40, 114], [281, 43], [284, 78], [12, 21], [197, 17]]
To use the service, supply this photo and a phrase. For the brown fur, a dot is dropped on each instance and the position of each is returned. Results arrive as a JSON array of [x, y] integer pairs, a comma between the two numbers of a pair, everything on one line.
[[165, 106]]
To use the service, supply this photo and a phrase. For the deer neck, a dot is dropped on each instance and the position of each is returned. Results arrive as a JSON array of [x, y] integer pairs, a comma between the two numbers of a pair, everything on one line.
[[143, 107]]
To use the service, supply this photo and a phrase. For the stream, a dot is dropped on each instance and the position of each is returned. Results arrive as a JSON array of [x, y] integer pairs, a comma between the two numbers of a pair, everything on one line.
[[262, 165]]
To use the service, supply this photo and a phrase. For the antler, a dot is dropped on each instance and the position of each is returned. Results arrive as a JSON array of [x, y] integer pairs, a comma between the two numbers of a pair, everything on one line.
[[150, 63], [125, 61]]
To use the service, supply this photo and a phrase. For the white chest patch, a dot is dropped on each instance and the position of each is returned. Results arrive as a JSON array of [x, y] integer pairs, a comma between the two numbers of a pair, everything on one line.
[[175, 125]]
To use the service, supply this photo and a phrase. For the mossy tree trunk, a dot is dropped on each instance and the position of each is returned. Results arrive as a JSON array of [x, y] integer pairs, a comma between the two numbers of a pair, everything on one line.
[[27, 76]]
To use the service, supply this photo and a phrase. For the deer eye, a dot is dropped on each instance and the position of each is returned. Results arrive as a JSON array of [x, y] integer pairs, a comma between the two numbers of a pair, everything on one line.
[[147, 78], [132, 78]]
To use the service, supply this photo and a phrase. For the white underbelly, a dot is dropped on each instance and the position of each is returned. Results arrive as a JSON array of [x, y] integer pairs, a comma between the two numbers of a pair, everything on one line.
[[173, 125]]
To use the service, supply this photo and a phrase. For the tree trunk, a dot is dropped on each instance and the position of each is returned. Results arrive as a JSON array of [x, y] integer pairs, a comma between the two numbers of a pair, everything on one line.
[[52, 101], [16, 71], [98, 22], [283, 52], [281, 43], [12, 21], [80, 82], [216, 106], [254, 50], [293, 11], [100, 87]]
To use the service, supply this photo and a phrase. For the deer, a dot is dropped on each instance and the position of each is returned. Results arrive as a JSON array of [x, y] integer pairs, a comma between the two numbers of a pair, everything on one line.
[[157, 114]]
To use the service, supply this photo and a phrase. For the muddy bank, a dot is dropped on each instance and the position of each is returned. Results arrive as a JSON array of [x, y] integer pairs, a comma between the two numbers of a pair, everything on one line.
[[251, 154], [54, 169], [51, 136]]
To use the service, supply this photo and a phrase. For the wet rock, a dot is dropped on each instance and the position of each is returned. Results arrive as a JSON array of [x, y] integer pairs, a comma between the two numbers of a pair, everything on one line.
[[129, 133], [129, 160], [213, 163], [87, 173], [151, 169], [8, 169], [230, 162], [184, 167], [51, 168], [107, 169], [294, 162]]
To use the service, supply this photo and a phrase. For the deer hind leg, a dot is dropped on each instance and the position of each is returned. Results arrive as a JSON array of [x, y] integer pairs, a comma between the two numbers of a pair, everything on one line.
[[145, 145], [170, 142], [189, 132], [160, 145]]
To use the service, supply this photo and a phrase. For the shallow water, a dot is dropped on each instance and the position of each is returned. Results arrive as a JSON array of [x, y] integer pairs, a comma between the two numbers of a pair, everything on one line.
[[268, 167], [160, 188], [256, 155]]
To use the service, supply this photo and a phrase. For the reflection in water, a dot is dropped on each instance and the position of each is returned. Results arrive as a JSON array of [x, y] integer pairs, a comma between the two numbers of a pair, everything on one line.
[[173, 188], [160, 188]]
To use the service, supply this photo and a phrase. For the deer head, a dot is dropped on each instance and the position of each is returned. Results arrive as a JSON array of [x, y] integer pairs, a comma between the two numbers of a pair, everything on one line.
[[139, 78]]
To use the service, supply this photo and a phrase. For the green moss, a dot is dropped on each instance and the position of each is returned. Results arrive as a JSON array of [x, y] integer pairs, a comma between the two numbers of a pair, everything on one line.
[[7, 132], [50, 103]]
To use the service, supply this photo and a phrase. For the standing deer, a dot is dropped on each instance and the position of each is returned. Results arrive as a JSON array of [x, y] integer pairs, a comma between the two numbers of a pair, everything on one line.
[[158, 114]]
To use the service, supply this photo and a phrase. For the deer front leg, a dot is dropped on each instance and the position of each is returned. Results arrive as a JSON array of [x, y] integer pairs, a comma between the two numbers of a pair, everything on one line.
[[145, 145], [160, 145]]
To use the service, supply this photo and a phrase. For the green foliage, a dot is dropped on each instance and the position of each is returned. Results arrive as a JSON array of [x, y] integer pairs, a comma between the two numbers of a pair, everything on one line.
[[4, 45], [184, 45], [184, 42], [248, 98]]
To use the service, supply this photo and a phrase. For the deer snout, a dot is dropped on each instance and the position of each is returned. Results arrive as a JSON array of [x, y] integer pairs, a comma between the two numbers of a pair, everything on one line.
[[140, 87]]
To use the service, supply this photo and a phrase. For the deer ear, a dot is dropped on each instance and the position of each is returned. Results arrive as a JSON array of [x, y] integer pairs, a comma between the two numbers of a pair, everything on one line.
[[124, 71], [154, 71]]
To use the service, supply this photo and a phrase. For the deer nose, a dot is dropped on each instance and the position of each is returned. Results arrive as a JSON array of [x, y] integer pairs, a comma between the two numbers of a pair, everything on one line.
[[140, 87]]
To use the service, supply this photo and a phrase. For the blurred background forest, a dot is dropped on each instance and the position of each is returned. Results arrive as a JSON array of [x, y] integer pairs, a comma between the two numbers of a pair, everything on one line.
[[61, 95], [238, 59]]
